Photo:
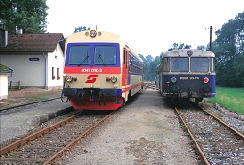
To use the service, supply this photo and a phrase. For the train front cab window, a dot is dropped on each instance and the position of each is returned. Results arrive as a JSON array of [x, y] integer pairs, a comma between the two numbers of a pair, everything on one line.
[[182, 64], [179, 64], [203, 64], [105, 55], [199, 64], [79, 55]]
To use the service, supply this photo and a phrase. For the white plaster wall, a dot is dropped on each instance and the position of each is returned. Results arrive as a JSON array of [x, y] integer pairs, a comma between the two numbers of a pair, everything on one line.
[[56, 60], [29, 73], [3, 86]]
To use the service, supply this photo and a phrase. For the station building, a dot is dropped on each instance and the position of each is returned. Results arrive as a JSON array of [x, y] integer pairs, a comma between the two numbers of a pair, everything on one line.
[[36, 59]]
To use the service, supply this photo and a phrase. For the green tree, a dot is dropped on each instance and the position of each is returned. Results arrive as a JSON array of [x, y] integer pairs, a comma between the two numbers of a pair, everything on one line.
[[239, 68], [201, 47], [81, 28], [152, 70], [142, 57], [29, 15], [176, 46], [228, 48], [150, 64]]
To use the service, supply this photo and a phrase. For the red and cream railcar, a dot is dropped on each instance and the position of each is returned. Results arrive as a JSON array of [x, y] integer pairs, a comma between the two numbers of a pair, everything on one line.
[[101, 71]]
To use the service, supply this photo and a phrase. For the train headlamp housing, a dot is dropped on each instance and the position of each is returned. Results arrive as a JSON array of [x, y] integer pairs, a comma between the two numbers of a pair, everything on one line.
[[189, 52], [173, 79], [93, 33], [114, 79], [69, 79]]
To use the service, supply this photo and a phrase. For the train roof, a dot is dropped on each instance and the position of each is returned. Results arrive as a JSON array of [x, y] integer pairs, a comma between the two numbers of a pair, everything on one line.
[[188, 52], [93, 36], [88, 36]]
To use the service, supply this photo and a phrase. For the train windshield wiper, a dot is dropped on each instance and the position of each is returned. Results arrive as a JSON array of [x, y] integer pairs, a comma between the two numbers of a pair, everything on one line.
[[100, 56], [85, 58], [175, 60]]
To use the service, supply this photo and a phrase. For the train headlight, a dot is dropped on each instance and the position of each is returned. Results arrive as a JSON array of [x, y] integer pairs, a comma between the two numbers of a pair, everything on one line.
[[189, 52], [93, 33], [173, 79], [108, 78], [114, 79], [205, 80], [69, 79]]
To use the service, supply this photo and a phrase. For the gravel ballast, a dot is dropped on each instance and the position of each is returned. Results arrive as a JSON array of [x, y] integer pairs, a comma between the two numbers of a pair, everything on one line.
[[145, 131]]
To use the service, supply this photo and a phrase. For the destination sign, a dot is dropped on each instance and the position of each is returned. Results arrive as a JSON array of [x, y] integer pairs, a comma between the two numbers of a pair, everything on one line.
[[189, 78]]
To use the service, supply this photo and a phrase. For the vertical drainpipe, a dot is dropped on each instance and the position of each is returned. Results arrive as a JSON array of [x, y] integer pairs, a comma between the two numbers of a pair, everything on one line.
[[45, 72]]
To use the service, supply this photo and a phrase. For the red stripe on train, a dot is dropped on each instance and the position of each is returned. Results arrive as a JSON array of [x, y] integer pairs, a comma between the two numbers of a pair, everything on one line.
[[131, 87], [102, 70]]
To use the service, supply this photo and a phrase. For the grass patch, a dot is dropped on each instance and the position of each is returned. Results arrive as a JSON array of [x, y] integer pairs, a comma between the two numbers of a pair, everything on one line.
[[38, 99], [232, 98]]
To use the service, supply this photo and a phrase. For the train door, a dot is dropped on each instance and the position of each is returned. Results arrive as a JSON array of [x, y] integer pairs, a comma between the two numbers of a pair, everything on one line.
[[125, 72]]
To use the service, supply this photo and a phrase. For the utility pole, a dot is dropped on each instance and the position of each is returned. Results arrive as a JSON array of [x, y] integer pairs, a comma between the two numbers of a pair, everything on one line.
[[211, 38]]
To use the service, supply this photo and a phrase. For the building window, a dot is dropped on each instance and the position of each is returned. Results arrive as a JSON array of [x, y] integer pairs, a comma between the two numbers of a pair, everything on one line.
[[58, 77], [53, 77]]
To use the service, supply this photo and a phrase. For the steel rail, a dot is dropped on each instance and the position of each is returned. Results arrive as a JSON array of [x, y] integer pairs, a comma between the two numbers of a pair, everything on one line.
[[76, 140], [19, 143], [24, 104], [226, 125], [192, 137]]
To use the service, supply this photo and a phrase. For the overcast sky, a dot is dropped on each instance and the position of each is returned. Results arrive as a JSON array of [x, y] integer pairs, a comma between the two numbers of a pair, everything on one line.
[[148, 26]]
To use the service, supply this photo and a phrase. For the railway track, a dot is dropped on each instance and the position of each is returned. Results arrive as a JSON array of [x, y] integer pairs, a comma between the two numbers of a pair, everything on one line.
[[44, 146], [216, 142], [25, 104]]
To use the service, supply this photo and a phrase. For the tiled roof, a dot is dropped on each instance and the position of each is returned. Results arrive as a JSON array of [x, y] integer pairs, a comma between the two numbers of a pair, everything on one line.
[[5, 69], [46, 42]]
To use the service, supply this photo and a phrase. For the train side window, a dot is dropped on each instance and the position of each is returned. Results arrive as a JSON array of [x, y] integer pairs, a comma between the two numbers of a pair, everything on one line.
[[124, 57], [212, 66], [166, 64], [130, 63]]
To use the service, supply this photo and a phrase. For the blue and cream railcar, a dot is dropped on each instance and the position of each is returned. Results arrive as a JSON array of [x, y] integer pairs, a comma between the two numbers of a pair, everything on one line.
[[101, 71], [187, 73]]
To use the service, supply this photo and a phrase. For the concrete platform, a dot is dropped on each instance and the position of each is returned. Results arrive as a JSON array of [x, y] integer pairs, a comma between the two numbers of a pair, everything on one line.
[[19, 121]]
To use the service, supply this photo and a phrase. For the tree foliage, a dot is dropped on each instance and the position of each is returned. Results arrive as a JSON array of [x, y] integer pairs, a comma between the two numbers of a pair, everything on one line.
[[80, 28], [150, 64], [29, 15], [176, 46], [229, 51], [201, 47]]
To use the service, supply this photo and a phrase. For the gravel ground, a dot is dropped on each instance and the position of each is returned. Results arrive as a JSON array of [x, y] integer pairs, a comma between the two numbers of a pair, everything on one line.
[[231, 118], [145, 131], [27, 95], [19, 121]]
